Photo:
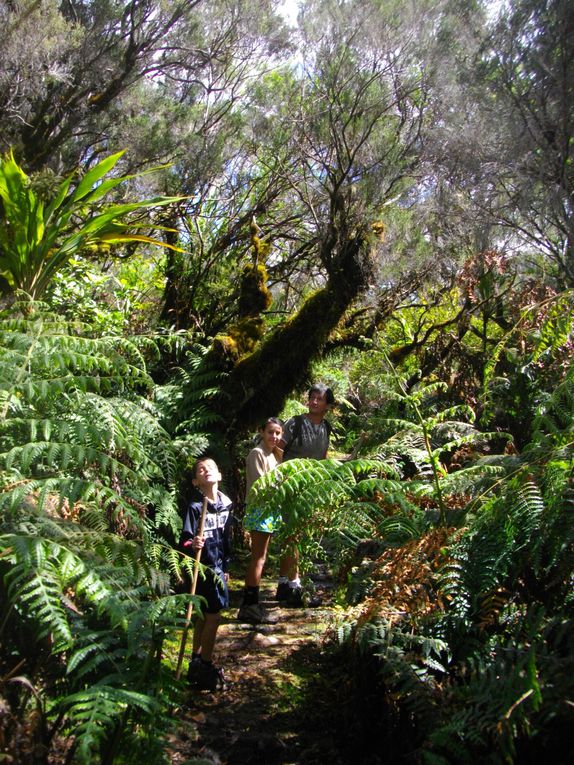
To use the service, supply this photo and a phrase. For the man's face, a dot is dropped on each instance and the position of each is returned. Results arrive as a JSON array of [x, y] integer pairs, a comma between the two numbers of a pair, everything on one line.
[[318, 403]]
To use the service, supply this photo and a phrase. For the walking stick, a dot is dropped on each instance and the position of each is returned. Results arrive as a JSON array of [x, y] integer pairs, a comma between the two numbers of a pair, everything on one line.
[[191, 592]]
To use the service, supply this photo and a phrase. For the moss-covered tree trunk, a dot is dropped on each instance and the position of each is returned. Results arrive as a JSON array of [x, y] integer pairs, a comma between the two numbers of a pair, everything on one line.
[[261, 380]]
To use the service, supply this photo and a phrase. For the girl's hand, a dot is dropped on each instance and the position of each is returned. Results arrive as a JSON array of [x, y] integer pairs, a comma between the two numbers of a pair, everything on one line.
[[226, 576]]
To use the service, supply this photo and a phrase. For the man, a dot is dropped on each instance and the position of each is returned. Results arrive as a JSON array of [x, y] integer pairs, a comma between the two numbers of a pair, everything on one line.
[[305, 435]]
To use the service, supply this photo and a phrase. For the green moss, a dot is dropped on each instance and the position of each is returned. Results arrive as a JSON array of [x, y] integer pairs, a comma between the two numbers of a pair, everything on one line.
[[264, 370], [225, 348], [254, 296]]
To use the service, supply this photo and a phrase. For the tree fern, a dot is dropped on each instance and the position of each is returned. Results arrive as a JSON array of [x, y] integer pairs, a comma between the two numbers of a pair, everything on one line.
[[504, 697], [553, 424], [189, 404], [105, 611], [424, 436], [553, 330], [407, 666]]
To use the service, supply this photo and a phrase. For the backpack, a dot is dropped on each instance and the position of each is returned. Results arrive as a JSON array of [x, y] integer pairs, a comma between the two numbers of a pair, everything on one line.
[[296, 434]]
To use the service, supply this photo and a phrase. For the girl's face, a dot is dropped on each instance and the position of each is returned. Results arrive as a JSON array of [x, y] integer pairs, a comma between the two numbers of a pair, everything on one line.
[[271, 435]]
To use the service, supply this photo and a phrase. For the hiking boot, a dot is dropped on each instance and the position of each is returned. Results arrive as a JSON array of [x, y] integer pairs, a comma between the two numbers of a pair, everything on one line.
[[254, 613], [213, 679], [204, 676], [194, 671], [282, 591], [295, 597]]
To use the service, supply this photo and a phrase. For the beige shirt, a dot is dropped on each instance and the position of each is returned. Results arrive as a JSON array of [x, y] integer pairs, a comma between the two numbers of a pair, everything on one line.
[[259, 461]]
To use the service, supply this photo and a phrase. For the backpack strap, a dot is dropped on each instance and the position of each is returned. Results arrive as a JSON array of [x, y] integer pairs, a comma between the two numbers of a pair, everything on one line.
[[295, 434]]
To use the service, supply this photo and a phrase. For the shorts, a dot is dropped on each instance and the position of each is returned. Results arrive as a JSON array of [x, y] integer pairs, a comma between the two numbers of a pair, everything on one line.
[[255, 520], [213, 588]]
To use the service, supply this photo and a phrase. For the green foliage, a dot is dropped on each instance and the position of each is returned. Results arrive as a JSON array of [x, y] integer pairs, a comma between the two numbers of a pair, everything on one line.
[[505, 704], [38, 239], [342, 501], [191, 402], [122, 300], [554, 420], [422, 436], [468, 626], [77, 430], [529, 364], [87, 479], [498, 602], [103, 611], [398, 650]]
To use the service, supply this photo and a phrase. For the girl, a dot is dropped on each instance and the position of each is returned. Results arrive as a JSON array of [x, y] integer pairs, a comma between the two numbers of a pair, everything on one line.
[[261, 459]]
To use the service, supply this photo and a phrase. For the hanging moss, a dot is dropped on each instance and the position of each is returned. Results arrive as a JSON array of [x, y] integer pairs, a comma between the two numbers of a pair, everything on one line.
[[241, 339], [224, 348], [254, 297], [243, 336], [261, 381]]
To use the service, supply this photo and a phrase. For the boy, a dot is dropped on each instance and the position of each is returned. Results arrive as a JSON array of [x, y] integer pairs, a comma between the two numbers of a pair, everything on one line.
[[215, 546]]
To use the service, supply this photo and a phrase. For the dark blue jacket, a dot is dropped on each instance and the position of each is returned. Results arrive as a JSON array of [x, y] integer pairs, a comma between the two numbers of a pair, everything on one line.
[[216, 552]]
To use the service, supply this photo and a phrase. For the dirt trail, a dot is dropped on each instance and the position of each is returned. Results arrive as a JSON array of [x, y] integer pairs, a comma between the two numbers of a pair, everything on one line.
[[274, 709]]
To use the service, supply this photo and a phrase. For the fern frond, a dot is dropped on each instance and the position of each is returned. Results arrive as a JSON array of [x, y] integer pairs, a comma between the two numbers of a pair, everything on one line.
[[93, 713], [557, 327]]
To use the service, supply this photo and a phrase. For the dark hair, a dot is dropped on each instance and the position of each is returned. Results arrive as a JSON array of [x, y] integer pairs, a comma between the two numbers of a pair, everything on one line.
[[321, 389], [272, 421]]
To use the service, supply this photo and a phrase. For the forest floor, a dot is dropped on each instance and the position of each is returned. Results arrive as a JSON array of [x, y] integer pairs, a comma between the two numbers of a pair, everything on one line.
[[280, 692]]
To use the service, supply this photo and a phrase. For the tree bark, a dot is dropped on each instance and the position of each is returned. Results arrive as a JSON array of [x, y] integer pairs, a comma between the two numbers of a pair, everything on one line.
[[260, 383]]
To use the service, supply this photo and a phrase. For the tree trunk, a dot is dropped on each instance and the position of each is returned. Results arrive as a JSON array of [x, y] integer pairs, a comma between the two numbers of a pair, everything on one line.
[[261, 381]]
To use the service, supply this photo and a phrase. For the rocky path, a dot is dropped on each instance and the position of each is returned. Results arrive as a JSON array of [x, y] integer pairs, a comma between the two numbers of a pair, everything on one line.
[[275, 708]]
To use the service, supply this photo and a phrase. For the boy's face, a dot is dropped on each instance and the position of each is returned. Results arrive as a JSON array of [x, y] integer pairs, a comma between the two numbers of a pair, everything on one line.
[[206, 474]]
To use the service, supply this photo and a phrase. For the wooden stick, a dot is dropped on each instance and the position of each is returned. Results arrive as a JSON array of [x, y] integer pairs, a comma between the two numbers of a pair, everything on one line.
[[191, 592]]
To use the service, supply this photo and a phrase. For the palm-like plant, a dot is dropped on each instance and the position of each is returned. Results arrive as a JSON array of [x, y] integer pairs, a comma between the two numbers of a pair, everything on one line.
[[37, 239]]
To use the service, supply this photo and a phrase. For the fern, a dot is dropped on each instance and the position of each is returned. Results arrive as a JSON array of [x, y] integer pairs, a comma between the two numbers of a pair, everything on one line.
[[188, 402], [500, 700], [408, 665], [64, 434], [557, 328], [426, 434], [87, 475], [104, 610], [93, 714], [553, 424]]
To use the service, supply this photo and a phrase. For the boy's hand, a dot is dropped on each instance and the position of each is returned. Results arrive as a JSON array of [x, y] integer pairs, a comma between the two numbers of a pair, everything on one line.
[[196, 543]]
